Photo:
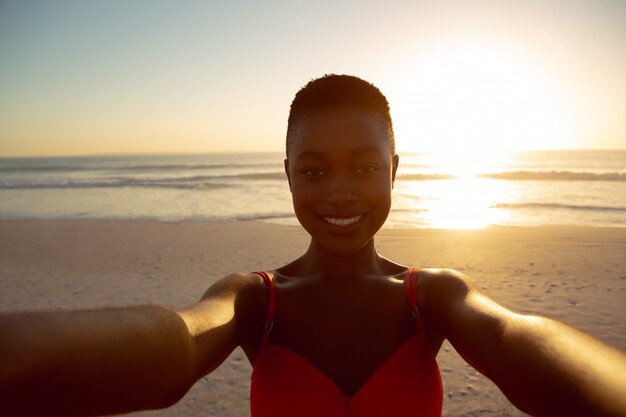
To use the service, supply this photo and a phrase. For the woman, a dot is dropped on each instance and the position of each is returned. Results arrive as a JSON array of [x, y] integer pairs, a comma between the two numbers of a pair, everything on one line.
[[340, 331]]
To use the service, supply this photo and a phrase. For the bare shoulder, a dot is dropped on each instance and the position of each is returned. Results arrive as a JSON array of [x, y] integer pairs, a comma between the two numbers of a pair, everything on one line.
[[238, 284], [233, 308], [447, 293], [248, 294], [444, 284]]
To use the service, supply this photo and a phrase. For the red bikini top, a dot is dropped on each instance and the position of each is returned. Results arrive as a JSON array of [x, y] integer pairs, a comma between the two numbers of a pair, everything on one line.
[[408, 383]]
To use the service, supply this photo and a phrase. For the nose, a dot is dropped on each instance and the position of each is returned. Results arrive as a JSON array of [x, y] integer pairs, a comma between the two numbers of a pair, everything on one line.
[[340, 192]]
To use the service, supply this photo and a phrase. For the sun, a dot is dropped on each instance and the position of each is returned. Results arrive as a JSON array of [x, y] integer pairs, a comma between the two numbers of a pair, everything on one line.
[[473, 97]]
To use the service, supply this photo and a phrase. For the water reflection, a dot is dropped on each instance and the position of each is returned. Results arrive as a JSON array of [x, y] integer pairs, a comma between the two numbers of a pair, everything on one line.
[[463, 203], [466, 203]]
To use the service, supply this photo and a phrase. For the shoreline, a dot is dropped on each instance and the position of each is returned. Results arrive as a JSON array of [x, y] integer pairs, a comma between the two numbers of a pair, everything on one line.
[[576, 274], [297, 225]]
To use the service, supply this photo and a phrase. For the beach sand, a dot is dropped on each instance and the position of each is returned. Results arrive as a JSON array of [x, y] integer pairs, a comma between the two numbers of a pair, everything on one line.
[[574, 274]]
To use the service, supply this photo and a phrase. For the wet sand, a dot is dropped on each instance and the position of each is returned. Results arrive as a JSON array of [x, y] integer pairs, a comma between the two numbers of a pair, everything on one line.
[[573, 274]]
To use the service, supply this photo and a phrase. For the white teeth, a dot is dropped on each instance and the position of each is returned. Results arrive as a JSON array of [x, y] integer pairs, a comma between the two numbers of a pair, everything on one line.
[[343, 222]]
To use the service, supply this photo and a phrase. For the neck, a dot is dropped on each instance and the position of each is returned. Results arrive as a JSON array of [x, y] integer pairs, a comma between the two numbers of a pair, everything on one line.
[[366, 261]]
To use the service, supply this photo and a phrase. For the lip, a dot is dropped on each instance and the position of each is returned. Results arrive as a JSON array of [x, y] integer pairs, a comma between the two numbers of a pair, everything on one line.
[[342, 221], [347, 221]]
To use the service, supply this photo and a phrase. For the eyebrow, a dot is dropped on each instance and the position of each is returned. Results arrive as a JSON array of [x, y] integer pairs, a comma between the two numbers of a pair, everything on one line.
[[311, 154], [355, 152]]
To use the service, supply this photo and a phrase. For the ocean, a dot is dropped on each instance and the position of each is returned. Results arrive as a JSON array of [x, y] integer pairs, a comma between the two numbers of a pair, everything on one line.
[[520, 189]]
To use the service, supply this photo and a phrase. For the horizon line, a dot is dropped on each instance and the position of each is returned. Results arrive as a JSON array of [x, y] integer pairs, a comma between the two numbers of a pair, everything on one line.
[[243, 152]]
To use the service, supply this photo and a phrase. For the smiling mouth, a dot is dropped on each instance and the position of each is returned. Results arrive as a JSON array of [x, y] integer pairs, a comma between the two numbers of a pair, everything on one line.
[[343, 221]]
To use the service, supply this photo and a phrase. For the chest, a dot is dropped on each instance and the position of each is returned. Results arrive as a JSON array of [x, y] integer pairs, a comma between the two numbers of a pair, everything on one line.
[[346, 337], [407, 382]]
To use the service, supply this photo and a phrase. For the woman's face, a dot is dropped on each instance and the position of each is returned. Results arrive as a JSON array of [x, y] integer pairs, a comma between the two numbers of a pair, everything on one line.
[[341, 173]]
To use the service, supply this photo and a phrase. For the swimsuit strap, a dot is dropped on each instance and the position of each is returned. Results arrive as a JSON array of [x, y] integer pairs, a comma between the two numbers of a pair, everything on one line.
[[410, 290], [271, 305]]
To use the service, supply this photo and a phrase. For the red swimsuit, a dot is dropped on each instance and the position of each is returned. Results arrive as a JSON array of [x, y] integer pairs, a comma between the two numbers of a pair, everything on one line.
[[285, 384]]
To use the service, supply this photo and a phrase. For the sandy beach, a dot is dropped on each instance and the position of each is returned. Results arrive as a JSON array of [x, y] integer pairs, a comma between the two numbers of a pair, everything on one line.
[[574, 274]]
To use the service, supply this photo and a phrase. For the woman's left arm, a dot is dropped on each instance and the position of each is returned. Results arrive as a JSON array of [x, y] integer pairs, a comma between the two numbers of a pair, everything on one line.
[[544, 367]]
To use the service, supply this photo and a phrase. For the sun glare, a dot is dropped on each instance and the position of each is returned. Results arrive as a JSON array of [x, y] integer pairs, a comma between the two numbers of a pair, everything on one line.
[[467, 163], [465, 204], [460, 197], [469, 104], [477, 97]]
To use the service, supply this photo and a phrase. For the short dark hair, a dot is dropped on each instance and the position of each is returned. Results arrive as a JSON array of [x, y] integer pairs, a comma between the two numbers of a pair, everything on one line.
[[335, 91]]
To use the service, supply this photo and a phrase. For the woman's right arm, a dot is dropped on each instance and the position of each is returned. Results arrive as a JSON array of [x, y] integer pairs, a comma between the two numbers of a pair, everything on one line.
[[113, 360]]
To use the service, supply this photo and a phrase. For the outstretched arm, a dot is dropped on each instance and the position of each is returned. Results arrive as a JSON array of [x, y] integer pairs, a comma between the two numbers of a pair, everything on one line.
[[544, 367], [112, 360], [93, 362]]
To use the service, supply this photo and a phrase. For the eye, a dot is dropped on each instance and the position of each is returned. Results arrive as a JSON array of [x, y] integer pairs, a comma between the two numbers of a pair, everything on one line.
[[366, 169], [313, 172]]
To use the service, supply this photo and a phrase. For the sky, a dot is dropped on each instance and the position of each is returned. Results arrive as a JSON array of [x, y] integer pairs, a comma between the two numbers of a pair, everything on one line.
[[114, 77]]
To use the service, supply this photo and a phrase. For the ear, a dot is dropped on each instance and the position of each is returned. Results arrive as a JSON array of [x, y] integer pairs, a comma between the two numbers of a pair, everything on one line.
[[395, 160], [286, 163]]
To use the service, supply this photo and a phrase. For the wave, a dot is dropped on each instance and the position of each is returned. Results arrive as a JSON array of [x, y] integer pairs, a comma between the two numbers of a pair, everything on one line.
[[112, 183], [236, 179], [230, 218], [557, 206], [556, 175], [262, 216], [38, 168], [193, 182], [256, 176], [162, 218], [409, 210], [525, 175], [425, 177]]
